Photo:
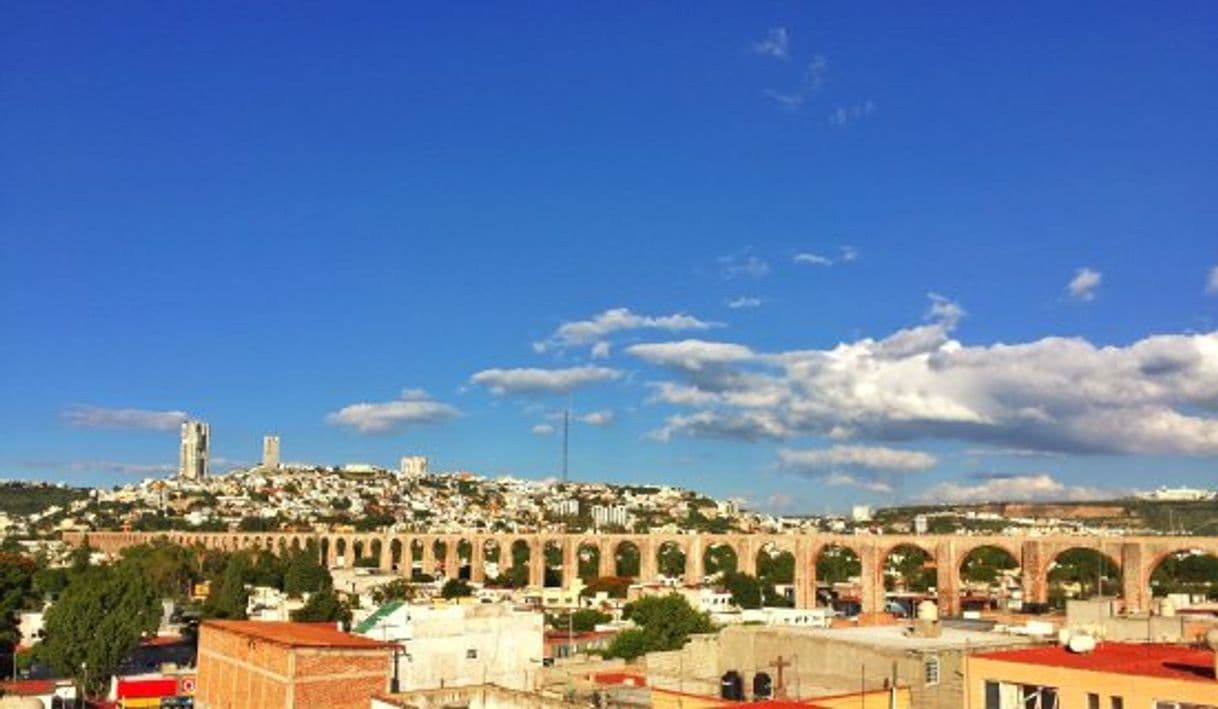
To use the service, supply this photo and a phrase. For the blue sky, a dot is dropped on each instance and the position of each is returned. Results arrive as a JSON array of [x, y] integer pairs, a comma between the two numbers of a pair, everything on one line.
[[267, 216]]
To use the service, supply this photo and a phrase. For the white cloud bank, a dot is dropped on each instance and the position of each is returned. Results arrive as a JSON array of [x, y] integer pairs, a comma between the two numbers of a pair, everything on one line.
[[414, 408], [1158, 395], [85, 416], [533, 380], [1009, 488], [869, 457]]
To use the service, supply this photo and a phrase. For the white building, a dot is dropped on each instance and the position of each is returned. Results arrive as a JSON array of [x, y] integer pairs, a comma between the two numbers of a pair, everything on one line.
[[564, 508], [270, 452], [192, 459], [412, 466], [1178, 494], [453, 645], [860, 513], [604, 515], [921, 524]]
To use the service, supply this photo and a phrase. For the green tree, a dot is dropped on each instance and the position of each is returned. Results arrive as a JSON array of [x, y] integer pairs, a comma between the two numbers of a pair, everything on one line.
[[16, 593], [837, 564], [626, 562], [629, 644], [304, 574], [672, 561], [720, 559], [665, 623], [322, 607], [456, 588], [229, 597], [745, 589], [99, 619], [395, 590], [169, 568]]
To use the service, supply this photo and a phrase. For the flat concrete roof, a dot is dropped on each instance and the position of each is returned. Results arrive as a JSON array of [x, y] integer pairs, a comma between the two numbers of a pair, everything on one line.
[[898, 637]]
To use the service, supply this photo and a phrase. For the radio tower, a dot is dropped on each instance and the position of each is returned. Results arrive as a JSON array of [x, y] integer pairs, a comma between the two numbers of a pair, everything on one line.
[[566, 425]]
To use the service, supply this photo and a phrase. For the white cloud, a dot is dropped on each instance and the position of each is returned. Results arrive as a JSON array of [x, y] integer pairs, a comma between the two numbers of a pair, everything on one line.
[[1158, 395], [776, 44], [868, 457], [595, 329], [838, 479], [85, 416], [604, 417], [743, 263], [1084, 284], [690, 355], [414, 408], [845, 115], [744, 302], [95, 466], [543, 429], [849, 253], [810, 83], [1211, 285], [813, 259], [1035, 486], [531, 380], [601, 350]]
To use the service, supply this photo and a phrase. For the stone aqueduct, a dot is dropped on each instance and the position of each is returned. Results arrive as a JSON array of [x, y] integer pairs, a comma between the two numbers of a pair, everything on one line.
[[1136, 557]]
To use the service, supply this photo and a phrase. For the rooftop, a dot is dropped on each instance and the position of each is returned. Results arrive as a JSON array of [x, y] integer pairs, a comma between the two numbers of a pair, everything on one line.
[[297, 634], [1140, 659], [897, 637]]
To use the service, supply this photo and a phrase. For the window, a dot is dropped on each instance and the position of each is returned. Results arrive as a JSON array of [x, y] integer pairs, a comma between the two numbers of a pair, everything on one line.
[[1117, 703], [471, 654], [931, 669], [1093, 701]]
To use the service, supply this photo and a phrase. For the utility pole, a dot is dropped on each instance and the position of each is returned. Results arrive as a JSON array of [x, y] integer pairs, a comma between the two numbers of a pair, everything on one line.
[[566, 426]]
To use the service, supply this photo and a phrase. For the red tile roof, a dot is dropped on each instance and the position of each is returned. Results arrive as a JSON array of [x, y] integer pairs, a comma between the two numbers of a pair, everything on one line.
[[297, 634], [28, 687], [1140, 659]]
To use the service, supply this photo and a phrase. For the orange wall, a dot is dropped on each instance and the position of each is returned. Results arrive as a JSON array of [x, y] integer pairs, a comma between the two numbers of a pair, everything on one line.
[[1074, 685]]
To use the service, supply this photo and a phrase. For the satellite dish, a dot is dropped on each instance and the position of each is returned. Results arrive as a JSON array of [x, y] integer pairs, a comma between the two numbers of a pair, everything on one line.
[[1081, 643]]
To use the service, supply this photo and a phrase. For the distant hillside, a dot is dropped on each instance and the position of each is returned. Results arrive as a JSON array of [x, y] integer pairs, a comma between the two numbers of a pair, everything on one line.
[[23, 498], [1200, 517]]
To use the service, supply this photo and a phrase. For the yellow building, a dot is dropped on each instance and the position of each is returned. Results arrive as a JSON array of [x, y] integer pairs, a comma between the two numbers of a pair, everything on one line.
[[1112, 676]]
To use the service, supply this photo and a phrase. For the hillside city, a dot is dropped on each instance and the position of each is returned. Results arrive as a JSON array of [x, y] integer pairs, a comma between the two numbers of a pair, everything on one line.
[[577, 637]]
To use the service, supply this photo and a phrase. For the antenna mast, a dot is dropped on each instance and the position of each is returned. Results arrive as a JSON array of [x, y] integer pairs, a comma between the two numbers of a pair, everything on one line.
[[566, 425]]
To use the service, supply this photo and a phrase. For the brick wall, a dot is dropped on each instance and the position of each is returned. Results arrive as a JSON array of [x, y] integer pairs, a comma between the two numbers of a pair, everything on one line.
[[239, 672]]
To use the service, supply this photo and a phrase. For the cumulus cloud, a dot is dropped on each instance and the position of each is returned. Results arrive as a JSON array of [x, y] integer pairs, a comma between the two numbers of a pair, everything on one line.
[[543, 429], [776, 44], [595, 329], [1084, 284], [1035, 486], [1158, 395], [869, 457], [813, 259], [1211, 284], [85, 416], [604, 417], [414, 407], [533, 380], [744, 302], [601, 350]]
